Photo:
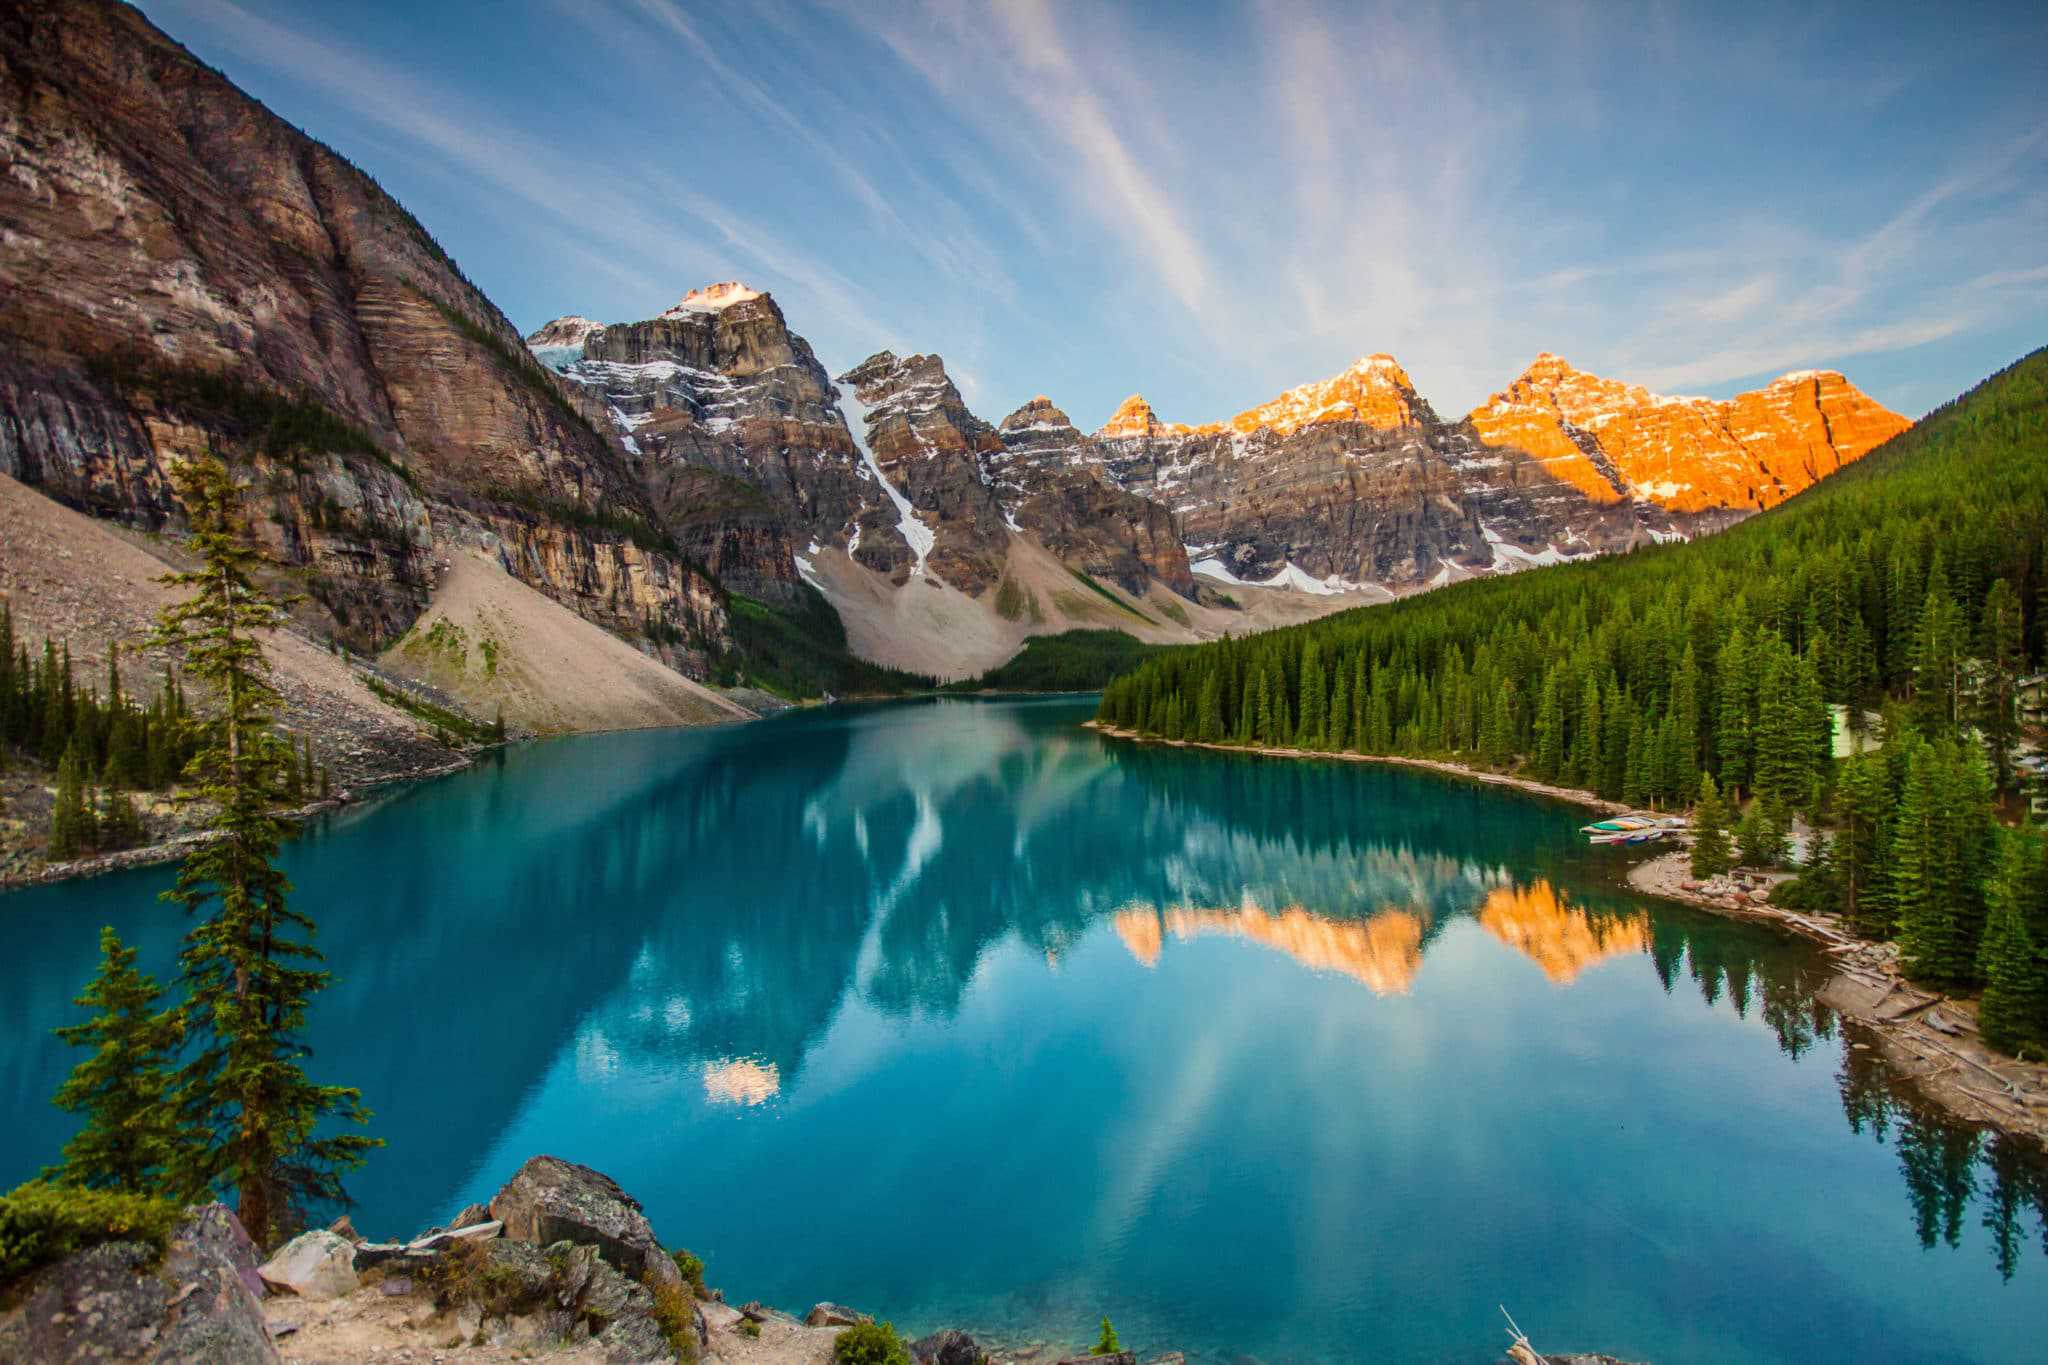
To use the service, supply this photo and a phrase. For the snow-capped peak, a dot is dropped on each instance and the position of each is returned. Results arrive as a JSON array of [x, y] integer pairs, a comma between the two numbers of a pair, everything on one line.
[[572, 330], [712, 298]]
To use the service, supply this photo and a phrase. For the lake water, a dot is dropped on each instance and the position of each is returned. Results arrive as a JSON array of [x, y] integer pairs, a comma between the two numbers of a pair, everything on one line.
[[958, 1013]]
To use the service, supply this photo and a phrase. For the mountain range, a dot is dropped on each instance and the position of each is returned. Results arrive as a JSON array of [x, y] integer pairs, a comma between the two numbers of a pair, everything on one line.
[[186, 271]]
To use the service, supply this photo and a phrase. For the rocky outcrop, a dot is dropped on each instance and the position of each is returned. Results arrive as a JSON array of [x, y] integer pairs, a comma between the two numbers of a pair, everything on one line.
[[551, 1200], [313, 1265], [926, 444], [185, 271], [196, 1304], [834, 1315], [951, 1347], [1049, 480]]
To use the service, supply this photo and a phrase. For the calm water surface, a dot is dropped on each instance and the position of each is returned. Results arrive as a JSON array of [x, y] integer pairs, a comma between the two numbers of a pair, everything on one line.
[[958, 1013]]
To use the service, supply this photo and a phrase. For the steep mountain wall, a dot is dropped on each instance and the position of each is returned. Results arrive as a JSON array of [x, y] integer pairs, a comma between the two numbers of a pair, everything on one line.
[[185, 271]]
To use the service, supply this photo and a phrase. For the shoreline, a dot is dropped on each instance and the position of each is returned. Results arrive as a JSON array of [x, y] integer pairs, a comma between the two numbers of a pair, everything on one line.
[[1928, 1040], [175, 846], [1577, 796]]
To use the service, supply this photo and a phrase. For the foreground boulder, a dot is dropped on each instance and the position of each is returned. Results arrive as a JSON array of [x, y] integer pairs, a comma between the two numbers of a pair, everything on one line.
[[119, 1301], [550, 1200], [950, 1347], [313, 1265], [834, 1315]]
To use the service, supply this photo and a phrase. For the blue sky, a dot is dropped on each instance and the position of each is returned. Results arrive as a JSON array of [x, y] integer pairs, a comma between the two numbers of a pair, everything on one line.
[[1210, 204]]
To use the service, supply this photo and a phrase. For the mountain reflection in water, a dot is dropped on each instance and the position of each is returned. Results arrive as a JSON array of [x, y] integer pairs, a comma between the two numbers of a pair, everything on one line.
[[1383, 950]]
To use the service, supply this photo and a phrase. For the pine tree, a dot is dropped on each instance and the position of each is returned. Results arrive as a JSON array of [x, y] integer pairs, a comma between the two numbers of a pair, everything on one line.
[[1684, 760], [131, 1137], [1938, 645], [120, 824], [1587, 764], [1735, 746], [294, 776], [70, 827], [1760, 833], [1314, 708], [1863, 807], [1550, 749], [1711, 855], [2013, 959], [2003, 649], [1340, 708], [1938, 860], [1636, 787], [247, 964]]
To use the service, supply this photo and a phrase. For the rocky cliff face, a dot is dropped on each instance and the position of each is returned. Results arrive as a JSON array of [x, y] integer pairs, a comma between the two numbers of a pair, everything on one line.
[[1613, 441], [930, 450], [1355, 481], [1049, 480], [736, 427], [184, 271]]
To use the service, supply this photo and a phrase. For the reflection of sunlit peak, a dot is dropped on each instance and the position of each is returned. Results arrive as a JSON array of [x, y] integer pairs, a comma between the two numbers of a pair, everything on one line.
[[1139, 928], [1540, 923], [741, 1081], [1383, 952]]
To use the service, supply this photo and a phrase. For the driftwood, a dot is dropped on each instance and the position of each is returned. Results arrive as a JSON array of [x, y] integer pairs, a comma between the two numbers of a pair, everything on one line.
[[1522, 1353]]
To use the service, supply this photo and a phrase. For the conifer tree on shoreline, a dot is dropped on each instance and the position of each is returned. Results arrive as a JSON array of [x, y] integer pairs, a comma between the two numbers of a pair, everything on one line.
[[249, 966], [131, 1136], [1710, 852]]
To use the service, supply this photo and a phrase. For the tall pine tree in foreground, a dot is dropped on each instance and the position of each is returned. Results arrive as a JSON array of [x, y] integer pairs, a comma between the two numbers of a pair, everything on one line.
[[249, 964], [131, 1138]]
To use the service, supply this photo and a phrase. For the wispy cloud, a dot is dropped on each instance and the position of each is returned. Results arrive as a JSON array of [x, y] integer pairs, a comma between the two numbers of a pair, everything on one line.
[[599, 212], [1214, 204]]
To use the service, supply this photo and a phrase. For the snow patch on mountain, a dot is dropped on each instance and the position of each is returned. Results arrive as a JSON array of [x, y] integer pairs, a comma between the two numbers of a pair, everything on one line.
[[1290, 575], [1509, 556], [918, 536]]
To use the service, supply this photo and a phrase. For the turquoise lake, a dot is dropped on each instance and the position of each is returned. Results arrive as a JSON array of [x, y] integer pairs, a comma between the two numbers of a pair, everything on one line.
[[960, 1014]]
